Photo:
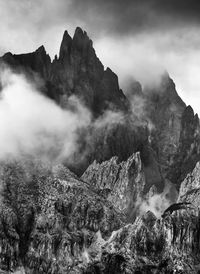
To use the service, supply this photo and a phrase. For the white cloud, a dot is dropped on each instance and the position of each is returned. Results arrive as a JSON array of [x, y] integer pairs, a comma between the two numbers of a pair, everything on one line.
[[145, 57], [33, 124]]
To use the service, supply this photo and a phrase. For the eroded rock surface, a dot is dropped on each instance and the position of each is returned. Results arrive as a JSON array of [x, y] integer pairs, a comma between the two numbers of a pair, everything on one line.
[[121, 183], [48, 219]]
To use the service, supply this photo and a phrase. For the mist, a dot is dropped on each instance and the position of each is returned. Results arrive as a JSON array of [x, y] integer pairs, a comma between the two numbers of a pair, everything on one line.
[[145, 57], [158, 202], [33, 124]]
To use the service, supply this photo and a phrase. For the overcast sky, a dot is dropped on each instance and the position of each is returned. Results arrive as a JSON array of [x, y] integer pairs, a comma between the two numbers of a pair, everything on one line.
[[136, 38]]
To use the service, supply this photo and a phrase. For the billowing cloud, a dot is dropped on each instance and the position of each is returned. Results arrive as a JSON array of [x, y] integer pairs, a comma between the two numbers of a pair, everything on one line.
[[158, 202], [33, 124]]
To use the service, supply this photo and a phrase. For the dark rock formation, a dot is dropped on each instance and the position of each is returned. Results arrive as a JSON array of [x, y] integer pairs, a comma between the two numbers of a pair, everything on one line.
[[76, 71]]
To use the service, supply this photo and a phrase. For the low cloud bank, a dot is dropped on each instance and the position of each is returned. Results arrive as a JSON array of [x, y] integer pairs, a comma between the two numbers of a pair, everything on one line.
[[32, 124]]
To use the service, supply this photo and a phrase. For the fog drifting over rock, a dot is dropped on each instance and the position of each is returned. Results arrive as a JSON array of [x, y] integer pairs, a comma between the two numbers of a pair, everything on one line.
[[33, 124]]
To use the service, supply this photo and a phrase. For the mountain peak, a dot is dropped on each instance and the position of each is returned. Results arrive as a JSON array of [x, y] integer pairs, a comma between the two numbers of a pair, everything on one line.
[[65, 45], [81, 40], [80, 32], [41, 49]]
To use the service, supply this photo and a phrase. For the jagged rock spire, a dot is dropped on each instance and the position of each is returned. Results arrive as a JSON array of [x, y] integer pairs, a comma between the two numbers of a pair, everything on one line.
[[65, 45]]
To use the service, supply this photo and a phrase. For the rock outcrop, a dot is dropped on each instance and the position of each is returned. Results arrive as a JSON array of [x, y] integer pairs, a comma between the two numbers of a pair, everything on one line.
[[121, 183]]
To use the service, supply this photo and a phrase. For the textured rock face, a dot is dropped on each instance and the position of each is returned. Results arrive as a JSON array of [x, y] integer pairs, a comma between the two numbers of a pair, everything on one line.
[[106, 139], [175, 129], [168, 245], [121, 183], [165, 110], [49, 218], [190, 187]]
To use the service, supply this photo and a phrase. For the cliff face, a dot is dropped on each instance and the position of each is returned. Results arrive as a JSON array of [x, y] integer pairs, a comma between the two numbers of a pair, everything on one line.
[[122, 183], [165, 110]]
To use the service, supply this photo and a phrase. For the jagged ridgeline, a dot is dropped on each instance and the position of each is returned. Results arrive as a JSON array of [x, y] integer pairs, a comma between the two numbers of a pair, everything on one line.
[[109, 206]]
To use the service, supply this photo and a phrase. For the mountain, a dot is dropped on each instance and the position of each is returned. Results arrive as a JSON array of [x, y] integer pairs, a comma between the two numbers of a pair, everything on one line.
[[78, 71], [127, 201]]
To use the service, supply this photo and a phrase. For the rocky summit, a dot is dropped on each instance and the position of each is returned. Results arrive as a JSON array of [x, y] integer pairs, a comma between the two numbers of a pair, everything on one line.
[[127, 200]]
